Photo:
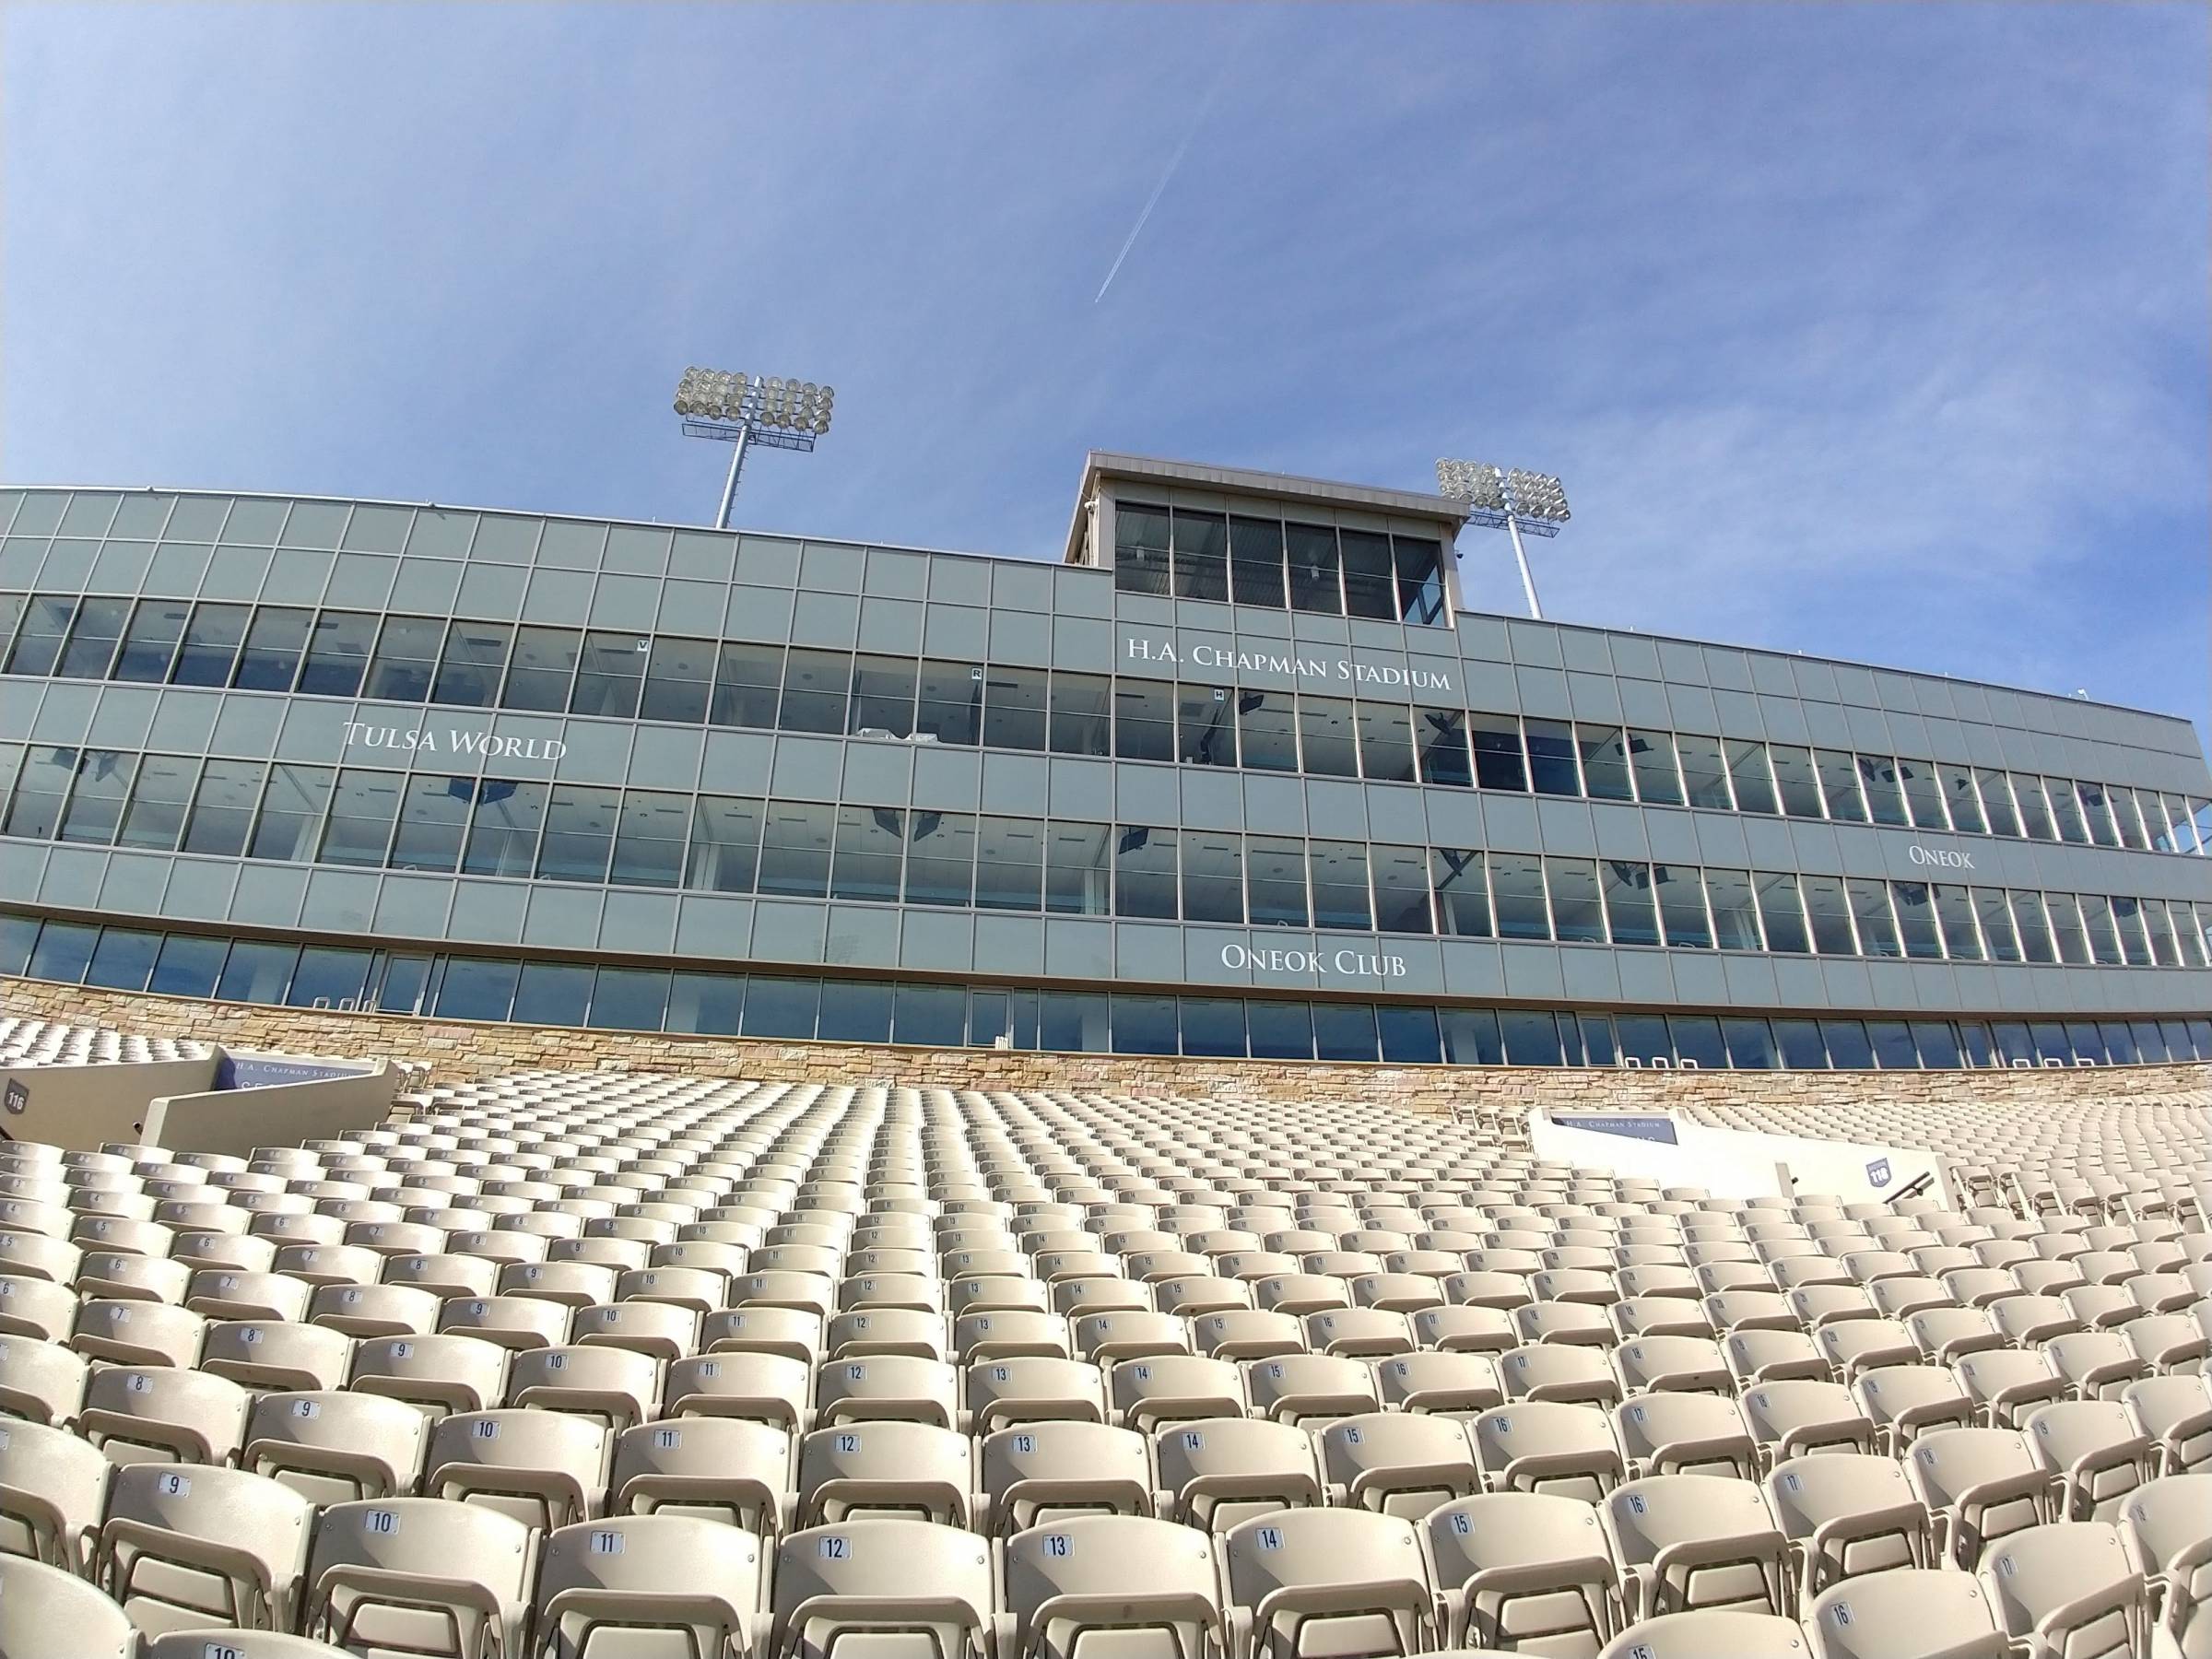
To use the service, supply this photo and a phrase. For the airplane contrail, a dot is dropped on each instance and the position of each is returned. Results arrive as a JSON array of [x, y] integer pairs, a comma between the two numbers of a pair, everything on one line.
[[1174, 161]]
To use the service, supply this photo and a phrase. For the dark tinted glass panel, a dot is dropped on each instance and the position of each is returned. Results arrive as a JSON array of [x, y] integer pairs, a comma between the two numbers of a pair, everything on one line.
[[1938, 1049], [1801, 1046], [609, 675], [210, 646], [1255, 552], [1329, 736], [1517, 892], [1419, 562], [1078, 859], [1848, 1049], [930, 1015], [1409, 1035], [543, 669], [1697, 1041], [1530, 1038], [1081, 705], [1576, 913], [1370, 583], [1280, 1031], [1140, 548], [150, 645], [1213, 876], [1682, 906], [188, 966], [1213, 1027], [747, 680], [1499, 764], [93, 637], [952, 705], [1275, 874], [940, 858], [1975, 1038], [1891, 1041], [326, 977], [1879, 781], [1013, 709], [1753, 781], [123, 960], [679, 677], [433, 822], [1344, 1031], [337, 654], [1143, 1025], [1604, 763], [1201, 555], [222, 807], [470, 666], [705, 1003], [1750, 1044], [256, 973], [649, 839], [1339, 880], [1313, 572], [1386, 740], [406, 658], [1144, 873], [1073, 1021], [503, 827], [1597, 1038], [358, 828], [103, 783], [555, 993], [291, 812], [64, 951], [1916, 918], [630, 999], [815, 684], [782, 1007], [159, 795], [795, 850], [1634, 918], [1205, 726], [1551, 758], [725, 844], [1267, 730]]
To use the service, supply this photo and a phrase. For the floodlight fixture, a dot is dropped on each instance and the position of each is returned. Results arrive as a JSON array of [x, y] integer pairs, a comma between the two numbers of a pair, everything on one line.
[[1517, 500], [739, 409]]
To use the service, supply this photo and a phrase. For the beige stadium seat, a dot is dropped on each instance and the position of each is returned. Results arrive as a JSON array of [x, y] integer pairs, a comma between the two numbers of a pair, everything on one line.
[[1764, 1354], [161, 1414], [1124, 1584], [572, 1285], [1902, 1401], [37, 1308], [439, 1373], [267, 1354], [887, 1331], [1041, 1473], [233, 1643], [792, 1332], [1217, 1475], [724, 1469], [893, 1589], [2068, 1589], [545, 1468], [2007, 1385], [1906, 1610], [1520, 1570], [1786, 1418], [999, 1394], [661, 1329], [2097, 1452], [418, 1575], [182, 1546], [1720, 1634], [1980, 1485], [1687, 1542], [1439, 1383], [1548, 1446], [763, 1387], [1661, 1364], [1009, 1333], [1466, 1329], [1559, 1371], [1396, 1464], [628, 1578], [2170, 1342], [1243, 1334], [2175, 1413], [2167, 1527], [46, 1613], [1683, 1433], [52, 1486], [1847, 1514], [1314, 1581], [887, 1386], [1172, 1388], [2095, 1365], [615, 1386], [337, 1447], [40, 1383], [125, 1331], [374, 1310], [1305, 1387], [516, 1323], [885, 1466], [322, 1265]]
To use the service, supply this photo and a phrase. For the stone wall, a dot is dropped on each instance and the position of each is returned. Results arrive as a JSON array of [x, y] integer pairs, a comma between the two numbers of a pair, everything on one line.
[[455, 1049]]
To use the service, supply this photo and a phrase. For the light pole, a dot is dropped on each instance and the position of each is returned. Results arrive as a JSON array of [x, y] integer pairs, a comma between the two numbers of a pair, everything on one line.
[[741, 410], [1519, 500]]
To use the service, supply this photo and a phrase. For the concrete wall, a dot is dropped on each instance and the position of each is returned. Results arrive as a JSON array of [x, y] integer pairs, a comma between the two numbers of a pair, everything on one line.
[[238, 1120], [80, 1106]]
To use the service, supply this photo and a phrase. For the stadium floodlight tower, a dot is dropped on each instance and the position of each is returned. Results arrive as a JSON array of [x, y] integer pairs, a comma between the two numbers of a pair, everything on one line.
[[740, 409], [1520, 501]]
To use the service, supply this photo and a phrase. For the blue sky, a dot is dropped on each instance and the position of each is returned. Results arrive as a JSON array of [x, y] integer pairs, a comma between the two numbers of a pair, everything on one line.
[[1878, 331]]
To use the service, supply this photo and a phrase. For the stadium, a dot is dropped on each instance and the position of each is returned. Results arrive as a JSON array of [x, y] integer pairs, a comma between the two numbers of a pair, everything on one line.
[[598, 1089]]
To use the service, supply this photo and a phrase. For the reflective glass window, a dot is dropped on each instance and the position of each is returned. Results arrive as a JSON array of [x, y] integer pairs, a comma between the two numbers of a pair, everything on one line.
[[1213, 876], [155, 818], [2035, 812], [1313, 570], [2190, 933], [1140, 548], [1848, 1049], [1704, 772], [1996, 924], [1205, 726], [1604, 763], [1916, 918], [1530, 1038], [291, 810], [1409, 1035], [63, 952], [1937, 1044], [1879, 781], [2097, 922], [256, 973], [1420, 568], [433, 822], [1498, 761], [1735, 915], [1956, 785], [337, 654], [96, 802], [579, 834], [2066, 810], [38, 636], [1800, 1044], [93, 637], [609, 675], [782, 1007], [1255, 561], [748, 681], [1551, 758], [1891, 1041], [1597, 1038], [1653, 756], [543, 669], [1386, 738], [477, 988], [1796, 780], [123, 960], [2158, 817], [1401, 878], [1267, 730], [1330, 737], [405, 660], [883, 696], [1344, 1031], [1955, 918], [1995, 795], [1015, 706], [11, 613], [362, 808], [725, 844], [2082, 1039], [1275, 882], [2150, 1041], [1682, 907], [1370, 584], [1576, 914], [952, 705], [795, 852], [2097, 813], [2034, 924], [210, 646], [1517, 895], [1780, 912], [1143, 1025], [1144, 872], [270, 659], [1471, 1037], [679, 680], [2128, 819], [1213, 1027], [1009, 863], [328, 977], [2119, 1042], [1840, 785], [630, 999], [1201, 569], [651, 837], [502, 830], [1076, 859], [990, 1017], [1828, 910], [814, 683], [222, 807], [1280, 1031], [705, 1004], [188, 966], [470, 664], [1463, 896], [2066, 930], [929, 1016], [2159, 930], [150, 644], [1074, 1021], [940, 858], [1340, 885], [1751, 778], [1632, 912], [1144, 719], [1697, 1041], [1750, 1044], [1081, 705], [555, 993], [1923, 794]]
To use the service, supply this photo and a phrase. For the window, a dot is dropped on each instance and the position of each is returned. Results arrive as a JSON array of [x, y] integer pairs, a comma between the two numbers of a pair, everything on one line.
[[1840, 783], [2097, 924], [155, 818], [1916, 918], [362, 808], [503, 830], [1799, 1041], [405, 660], [1144, 719], [124, 960], [150, 645], [93, 639], [1653, 756], [1275, 882], [1517, 892], [1891, 1041], [1645, 1039], [1344, 1031], [930, 1015], [210, 646], [103, 783], [1329, 735], [1604, 763], [748, 680], [2096, 810], [1386, 738], [1313, 569], [609, 675], [1267, 730], [649, 839], [63, 952], [1878, 779], [553, 994], [2157, 927], [470, 666], [1013, 709], [2034, 925], [2035, 812], [1682, 906], [188, 966], [1995, 795], [2127, 817], [1877, 922], [1956, 784], [1140, 548], [1401, 878], [1995, 921], [1144, 873], [543, 669], [1213, 876], [1213, 1027], [433, 821], [1754, 783], [579, 834], [1937, 1045], [1076, 866], [1009, 863], [795, 852], [1796, 780], [1338, 870], [782, 1007], [1735, 917], [1205, 726], [1632, 916], [1370, 578], [1704, 772], [815, 684], [1463, 896], [1848, 1049], [1255, 554], [940, 858], [1954, 920], [1081, 714], [1923, 794], [2135, 940], [39, 635], [1750, 1044], [706, 1004], [327, 977], [1575, 913], [1420, 569], [1471, 1037], [291, 810], [1530, 1038], [680, 679], [473, 988], [256, 973], [1498, 762], [883, 696], [222, 807], [1551, 758], [1201, 555], [951, 709], [1143, 1025], [1780, 912], [630, 999], [337, 654], [1697, 1041], [2066, 810], [2066, 931], [725, 844], [1827, 911]]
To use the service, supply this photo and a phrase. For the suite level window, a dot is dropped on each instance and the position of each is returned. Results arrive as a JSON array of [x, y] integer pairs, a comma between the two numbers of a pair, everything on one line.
[[433, 821], [406, 659], [952, 705], [1082, 714], [748, 681], [1267, 730], [543, 669], [503, 828], [1140, 549], [470, 666], [1315, 580], [1369, 575], [210, 647], [1201, 564], [337, 654], [96, 801], [277, 639], [1255, 562], [93, 637], [1605, 752], [1205, 726], [1014, 708], [680, 679], [883, 697], [38, 636], [150, 645], [610, 674], [1552, 767]]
